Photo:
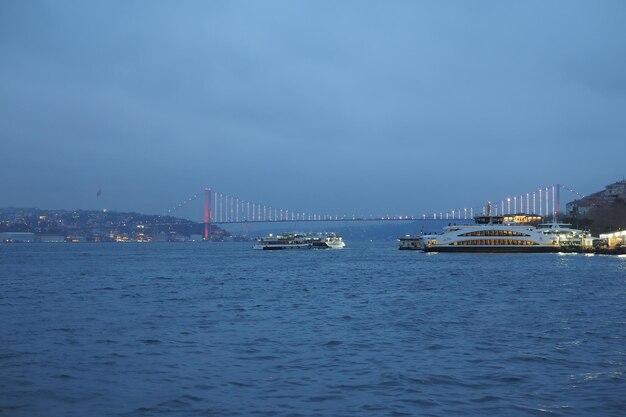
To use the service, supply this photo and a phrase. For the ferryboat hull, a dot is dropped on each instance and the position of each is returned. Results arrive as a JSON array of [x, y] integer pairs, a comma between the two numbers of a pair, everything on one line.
[[283, 247], [492, 249]]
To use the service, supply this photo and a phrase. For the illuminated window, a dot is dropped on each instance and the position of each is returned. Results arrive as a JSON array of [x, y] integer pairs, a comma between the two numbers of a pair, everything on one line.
[[492, 242], [495, 233]]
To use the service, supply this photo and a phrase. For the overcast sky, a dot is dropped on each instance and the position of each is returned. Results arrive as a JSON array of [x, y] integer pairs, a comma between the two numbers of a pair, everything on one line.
[[321, 106]]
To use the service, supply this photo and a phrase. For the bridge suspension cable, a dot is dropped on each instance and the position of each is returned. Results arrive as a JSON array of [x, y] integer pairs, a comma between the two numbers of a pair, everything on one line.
[[579, 195], [544, 201], [172, 211], [223, 208]]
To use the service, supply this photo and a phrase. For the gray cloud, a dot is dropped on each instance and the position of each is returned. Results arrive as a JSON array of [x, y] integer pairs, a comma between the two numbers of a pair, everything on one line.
[[326, 106]]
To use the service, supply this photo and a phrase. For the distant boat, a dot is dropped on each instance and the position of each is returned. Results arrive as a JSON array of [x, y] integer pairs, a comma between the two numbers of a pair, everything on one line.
[[299, 241], [410, 243], [325, 241], [281, 242]]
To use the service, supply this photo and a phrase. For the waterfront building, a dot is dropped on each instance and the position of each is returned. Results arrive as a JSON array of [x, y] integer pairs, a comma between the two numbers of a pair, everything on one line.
[[195, 238], [615, 239], [50, 239], [615, 191], [17, 237]]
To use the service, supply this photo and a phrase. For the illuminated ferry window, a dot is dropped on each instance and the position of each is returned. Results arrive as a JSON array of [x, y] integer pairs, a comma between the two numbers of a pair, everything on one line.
[[491, 242], [494, 233]]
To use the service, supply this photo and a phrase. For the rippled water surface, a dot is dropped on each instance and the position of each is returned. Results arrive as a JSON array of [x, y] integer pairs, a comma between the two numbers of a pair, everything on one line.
[[222, 330]]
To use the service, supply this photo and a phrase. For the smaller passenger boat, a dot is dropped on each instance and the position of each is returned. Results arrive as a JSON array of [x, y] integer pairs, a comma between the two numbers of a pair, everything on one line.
[[280, 242], [300, 241], [568, 238], [409, 242]]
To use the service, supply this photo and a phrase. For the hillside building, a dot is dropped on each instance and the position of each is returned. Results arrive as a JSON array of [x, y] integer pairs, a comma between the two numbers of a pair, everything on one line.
[[608, 196]]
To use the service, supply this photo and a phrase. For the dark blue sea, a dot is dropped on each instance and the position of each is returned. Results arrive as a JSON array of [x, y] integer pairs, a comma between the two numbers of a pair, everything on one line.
[[218, 329]]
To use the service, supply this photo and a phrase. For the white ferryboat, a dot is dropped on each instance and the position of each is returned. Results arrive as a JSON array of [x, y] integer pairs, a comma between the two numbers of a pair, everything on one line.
[[280, 242], [300, 241], [491, 234]]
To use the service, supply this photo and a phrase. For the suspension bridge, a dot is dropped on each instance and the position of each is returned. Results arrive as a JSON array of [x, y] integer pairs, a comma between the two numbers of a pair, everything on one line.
[[222, 208]]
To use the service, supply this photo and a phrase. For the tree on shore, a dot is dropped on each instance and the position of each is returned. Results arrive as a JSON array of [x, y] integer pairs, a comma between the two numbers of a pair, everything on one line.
[[605, 219]]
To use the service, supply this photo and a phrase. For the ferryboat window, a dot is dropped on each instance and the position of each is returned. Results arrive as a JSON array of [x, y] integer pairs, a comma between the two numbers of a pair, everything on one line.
[[495, 233], [491, 242]]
